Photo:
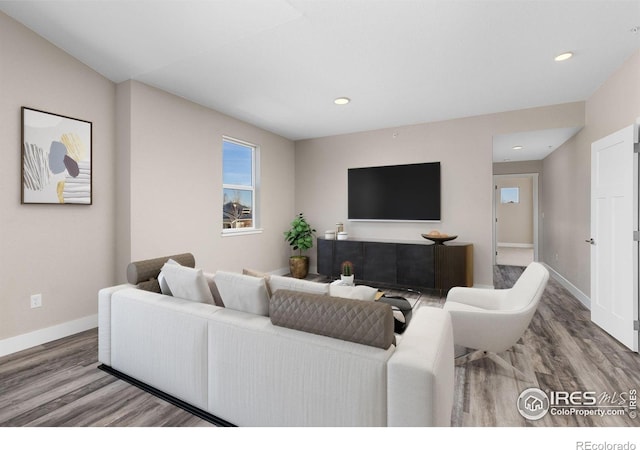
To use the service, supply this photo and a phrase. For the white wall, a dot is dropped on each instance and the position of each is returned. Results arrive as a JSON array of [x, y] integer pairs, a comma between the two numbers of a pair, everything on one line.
[[463, 146], [66, 253], [170, 197]]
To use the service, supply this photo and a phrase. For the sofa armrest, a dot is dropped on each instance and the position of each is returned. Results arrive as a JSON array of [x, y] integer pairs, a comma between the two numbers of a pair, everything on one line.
[[420, 373], [104, 321]]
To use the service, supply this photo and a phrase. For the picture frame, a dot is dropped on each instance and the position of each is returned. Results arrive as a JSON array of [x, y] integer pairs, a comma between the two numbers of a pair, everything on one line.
[[57, 163]]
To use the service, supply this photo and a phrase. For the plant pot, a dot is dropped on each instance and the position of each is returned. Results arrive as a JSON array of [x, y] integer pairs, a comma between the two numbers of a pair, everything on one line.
[[299, 266], [347, 279]]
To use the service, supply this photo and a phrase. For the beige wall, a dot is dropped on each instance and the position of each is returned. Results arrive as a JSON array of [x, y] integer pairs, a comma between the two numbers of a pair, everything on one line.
[[515, 220], [509, 168], [567, 174], [156, 189], [527, 167], [156, 183], [170, 198], [464, 148], [66, 253]]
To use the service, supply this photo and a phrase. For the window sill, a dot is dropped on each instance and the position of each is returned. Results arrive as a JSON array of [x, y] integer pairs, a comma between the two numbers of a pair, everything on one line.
[[240, 232]]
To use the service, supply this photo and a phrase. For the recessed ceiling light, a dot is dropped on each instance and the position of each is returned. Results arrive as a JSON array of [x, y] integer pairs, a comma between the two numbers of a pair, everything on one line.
[[563, 56], [517, 147], [342, 100]]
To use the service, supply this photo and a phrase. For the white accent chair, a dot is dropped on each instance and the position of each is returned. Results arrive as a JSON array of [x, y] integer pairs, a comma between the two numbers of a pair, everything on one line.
[[492, 321]]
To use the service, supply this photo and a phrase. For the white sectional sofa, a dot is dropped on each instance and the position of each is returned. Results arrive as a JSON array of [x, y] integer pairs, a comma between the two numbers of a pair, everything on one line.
[[241, 368]]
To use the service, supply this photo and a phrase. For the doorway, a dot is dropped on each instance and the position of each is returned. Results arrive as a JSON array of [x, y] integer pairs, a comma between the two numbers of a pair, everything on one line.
[[515, 219]]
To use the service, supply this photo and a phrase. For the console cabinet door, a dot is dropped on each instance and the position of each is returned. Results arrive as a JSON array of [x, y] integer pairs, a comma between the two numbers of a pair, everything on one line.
[[415, 265], [348, 251], [455, 266], [325, 257], [380, 262]]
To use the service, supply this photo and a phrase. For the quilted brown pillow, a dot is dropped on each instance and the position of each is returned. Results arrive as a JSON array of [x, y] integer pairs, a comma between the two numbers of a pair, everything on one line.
[[368, 323]]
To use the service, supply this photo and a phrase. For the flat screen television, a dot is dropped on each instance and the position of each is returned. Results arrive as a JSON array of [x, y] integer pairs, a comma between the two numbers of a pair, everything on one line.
[[409, 192]]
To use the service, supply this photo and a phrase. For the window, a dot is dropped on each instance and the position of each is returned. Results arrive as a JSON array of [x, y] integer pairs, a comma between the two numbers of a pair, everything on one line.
[[510, 195], [238, 186]]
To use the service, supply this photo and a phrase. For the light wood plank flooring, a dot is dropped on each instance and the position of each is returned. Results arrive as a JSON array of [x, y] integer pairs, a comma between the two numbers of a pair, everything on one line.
[[561, 350], [58, 384]]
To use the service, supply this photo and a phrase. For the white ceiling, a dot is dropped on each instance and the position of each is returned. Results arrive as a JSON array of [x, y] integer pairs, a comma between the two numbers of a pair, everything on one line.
[[535, 144], [279, 64]]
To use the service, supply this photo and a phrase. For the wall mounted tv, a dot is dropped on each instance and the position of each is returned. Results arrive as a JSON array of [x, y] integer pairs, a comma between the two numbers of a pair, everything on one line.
[[409, 192]]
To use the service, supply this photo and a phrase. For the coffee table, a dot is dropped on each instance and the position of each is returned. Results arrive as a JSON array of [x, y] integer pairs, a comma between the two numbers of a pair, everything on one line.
[[399, 304]]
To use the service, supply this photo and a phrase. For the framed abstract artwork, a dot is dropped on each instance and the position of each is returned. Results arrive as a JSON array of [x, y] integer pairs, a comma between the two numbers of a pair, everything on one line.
[[56, 159]]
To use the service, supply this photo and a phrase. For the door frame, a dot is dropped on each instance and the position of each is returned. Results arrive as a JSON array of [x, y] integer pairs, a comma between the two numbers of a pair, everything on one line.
[[536, 219]]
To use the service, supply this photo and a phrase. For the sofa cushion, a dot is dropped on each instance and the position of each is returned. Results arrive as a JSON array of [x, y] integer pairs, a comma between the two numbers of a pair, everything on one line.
[[256, 273], [162, 280], [187, 283], [368, 323], [243, 292], [150, 285], [217, 298], [293, 284]]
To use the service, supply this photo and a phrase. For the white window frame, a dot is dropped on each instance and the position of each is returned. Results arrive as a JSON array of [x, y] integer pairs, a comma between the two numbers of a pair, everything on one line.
[[254, 188], [511, 190]]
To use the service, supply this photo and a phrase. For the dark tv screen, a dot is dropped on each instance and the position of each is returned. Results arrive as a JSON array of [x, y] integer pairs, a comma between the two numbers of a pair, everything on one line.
[[404, 192]]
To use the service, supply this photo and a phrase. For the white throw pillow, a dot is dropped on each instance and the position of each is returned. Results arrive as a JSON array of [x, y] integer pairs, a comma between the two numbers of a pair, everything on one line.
[[354, 292], [243, 292], [217, 298], [162, 280], [256, 273], [187, 283], [293, 284]]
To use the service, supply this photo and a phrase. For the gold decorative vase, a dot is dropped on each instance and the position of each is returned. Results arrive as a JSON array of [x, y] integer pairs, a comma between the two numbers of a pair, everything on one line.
[[299, 266]]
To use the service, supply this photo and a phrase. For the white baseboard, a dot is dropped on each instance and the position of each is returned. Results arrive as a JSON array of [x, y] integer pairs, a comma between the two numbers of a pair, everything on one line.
[[285, 271], [282, 271], [514, 245], [39, 337], [577, 293]]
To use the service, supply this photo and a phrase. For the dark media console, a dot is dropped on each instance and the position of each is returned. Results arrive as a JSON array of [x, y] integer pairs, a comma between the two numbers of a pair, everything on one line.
[[399, 263]]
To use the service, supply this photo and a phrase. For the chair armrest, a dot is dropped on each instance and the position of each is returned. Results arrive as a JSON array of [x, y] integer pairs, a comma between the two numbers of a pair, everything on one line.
[[480, 298]]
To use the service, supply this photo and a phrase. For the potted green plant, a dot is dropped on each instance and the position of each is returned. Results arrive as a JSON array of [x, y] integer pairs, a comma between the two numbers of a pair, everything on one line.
[[347, 275], [300, 238]]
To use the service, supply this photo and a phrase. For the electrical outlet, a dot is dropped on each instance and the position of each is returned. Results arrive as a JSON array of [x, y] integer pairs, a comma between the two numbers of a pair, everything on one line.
[[36, 300]]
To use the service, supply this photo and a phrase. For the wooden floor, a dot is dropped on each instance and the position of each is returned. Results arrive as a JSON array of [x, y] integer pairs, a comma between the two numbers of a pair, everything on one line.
[[562, 350], [58, 384]]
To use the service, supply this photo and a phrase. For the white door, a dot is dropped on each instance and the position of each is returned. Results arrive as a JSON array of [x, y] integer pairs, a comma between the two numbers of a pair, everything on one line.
[[614, 304], [515, 224]]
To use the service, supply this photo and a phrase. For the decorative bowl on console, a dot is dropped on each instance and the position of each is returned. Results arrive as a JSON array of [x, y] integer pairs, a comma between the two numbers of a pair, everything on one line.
[[438, 238]]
